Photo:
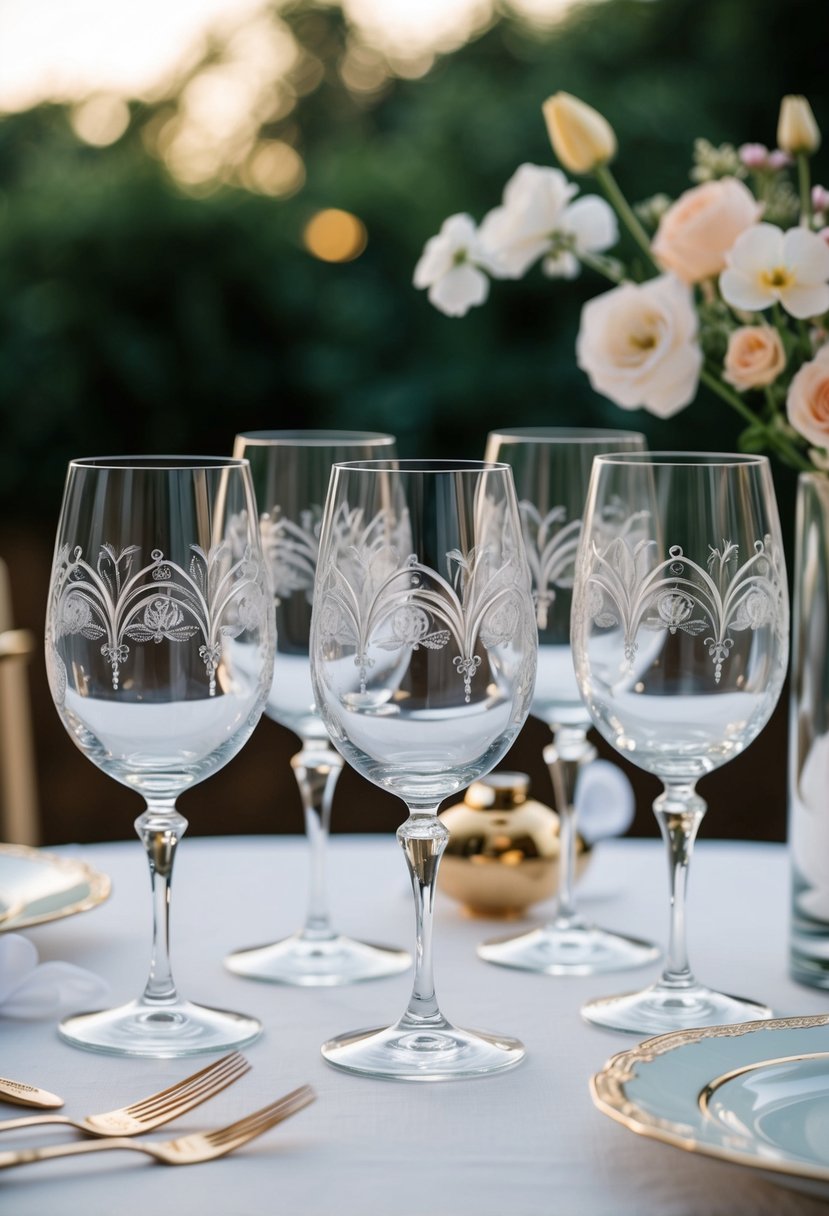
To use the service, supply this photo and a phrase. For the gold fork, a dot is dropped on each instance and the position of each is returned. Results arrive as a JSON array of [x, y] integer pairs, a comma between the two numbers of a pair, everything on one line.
[[187, 1150], [153, 1111]]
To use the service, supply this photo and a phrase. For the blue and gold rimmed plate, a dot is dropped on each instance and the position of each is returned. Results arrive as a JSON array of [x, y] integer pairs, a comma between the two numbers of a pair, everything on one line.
[[755, 1094], [37, 887]]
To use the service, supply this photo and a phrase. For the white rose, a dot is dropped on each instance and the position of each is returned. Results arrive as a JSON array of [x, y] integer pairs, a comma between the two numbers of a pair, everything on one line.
[[638, 345]]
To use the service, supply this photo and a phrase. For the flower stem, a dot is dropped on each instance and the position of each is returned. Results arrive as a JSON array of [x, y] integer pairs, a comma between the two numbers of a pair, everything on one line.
[[805, 190], [625, 212], [606, 267], [784, 447]]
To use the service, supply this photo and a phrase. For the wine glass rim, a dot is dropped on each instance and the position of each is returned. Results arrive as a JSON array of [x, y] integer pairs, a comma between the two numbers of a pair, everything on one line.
[[562, 434], [394, 464], [167, 464], [685, 459], [313, 438]]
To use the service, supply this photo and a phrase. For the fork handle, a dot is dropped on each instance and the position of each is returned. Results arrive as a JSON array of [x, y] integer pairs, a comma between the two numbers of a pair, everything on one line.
[[25, 1156], [10, 1125]]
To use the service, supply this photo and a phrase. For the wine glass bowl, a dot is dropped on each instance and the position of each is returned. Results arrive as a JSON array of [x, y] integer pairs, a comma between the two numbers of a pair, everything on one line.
[[423, 650], [551, 467], [290, 472], [680, 641], [159, 649]]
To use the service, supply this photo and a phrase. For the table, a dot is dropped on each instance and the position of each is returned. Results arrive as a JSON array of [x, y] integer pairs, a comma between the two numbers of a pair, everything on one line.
[[526, 1143]]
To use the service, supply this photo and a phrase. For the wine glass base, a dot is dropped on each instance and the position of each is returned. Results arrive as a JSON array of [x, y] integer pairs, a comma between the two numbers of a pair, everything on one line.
[[321, 964], [160, 1031], [405, 1053], [580, 950], [659, 1009]]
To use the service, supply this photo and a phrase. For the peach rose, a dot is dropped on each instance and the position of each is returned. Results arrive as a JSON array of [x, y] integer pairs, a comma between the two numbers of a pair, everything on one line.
[[755, 357], [696, 233], [807, 404]]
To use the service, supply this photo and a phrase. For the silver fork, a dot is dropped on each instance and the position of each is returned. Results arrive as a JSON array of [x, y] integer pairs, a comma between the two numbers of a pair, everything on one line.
[[187, 1150], [153, 1111]]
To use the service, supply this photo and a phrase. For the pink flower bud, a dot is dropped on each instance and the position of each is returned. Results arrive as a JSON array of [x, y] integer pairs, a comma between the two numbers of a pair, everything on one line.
[[778, 159], [753, 156], [820, 198]]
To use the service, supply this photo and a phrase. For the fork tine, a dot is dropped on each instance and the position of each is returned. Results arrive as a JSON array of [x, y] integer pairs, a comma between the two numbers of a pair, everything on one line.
[[208, 1080], [191, 1095], [261, 1120]]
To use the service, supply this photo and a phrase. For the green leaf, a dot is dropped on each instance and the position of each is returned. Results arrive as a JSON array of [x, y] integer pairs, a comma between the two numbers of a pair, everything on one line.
[[753, 439]]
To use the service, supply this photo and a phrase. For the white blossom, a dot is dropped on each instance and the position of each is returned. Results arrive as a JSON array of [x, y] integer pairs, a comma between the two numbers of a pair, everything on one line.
[[452, 267], [538, 219], [766, 265]]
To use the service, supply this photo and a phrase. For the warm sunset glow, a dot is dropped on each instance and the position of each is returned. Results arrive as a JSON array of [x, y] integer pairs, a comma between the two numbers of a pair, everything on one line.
[[335, 236], [66, 50], [96, 56], [63, 50]]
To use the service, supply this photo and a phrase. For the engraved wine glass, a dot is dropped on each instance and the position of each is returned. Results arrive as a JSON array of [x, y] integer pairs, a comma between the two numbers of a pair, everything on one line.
[[291, 471], [423, 654], [159, 649], [551, 466], [680, 642]]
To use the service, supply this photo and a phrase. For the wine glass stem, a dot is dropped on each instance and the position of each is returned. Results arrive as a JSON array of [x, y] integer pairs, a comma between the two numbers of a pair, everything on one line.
[[565, 757], [423, 838], [160, 828], [317, 769], [679, 811]]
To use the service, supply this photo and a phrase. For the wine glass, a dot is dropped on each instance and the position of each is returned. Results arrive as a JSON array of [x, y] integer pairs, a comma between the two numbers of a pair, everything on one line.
[[291, 471], [159, 648], [551, 466], [423, 653], [680, 641]]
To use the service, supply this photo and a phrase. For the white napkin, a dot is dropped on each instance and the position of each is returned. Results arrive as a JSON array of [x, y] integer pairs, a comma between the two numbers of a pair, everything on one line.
[[604, 801], [29, 989]]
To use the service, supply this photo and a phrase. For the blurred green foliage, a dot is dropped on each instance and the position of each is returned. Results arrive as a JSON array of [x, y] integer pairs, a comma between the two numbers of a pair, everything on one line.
[[137, 317]]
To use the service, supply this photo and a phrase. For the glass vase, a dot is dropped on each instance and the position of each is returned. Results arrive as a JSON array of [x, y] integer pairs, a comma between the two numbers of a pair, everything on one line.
[[809, 737]]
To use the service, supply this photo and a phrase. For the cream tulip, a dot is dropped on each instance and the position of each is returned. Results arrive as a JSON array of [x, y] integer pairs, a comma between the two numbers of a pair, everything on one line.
[[797, 131], [582, 138]]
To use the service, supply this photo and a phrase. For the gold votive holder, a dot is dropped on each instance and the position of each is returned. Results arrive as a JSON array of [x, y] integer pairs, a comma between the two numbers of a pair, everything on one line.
[[503, 850]]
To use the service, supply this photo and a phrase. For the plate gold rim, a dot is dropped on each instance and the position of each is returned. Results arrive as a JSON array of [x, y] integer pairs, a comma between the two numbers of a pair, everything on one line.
[[711, 1087], [100, 887], [607, 1089]]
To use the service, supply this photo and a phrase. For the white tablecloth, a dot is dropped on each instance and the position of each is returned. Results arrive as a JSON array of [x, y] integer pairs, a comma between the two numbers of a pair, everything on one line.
[[525, 1143]]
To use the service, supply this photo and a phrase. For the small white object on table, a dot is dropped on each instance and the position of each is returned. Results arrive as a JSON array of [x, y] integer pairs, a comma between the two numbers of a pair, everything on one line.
[[527, 1142]]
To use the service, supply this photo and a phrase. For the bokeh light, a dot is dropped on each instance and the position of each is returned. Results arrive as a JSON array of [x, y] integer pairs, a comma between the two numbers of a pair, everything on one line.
[[335, 236], [274, 168], [101, 119]]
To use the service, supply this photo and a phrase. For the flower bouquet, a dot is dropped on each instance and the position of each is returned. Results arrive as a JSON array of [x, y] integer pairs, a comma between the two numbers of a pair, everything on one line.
[[729, 286]]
